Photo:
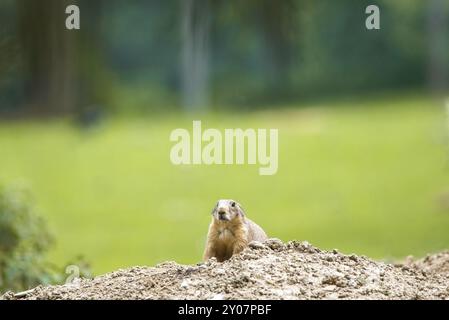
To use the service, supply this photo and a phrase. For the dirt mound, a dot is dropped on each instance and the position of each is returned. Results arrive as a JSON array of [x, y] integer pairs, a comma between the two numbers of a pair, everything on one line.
[[433, 264], [272, 270]]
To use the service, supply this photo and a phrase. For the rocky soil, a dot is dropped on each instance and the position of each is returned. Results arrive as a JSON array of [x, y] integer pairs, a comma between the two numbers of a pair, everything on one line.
[[270, 270]]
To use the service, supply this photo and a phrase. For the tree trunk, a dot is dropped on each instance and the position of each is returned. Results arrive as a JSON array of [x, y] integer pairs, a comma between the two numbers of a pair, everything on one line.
[[195, 53], [277, 21], [438, 27], [48, 53]]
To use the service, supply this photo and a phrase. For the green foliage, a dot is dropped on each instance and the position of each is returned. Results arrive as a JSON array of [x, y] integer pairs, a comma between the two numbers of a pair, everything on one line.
[[24, 241]]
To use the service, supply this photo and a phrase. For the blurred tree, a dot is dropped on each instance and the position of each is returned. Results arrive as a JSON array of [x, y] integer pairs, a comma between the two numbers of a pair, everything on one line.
[[196, 20], [146, 55], [438, 29], [93, 75], [277, 23], [10, 53], [48, 49]]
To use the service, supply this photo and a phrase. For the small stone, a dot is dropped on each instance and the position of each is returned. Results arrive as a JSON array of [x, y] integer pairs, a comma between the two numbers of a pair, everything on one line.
[[256, 245], [211, 261], [217, 297], [332, 296], [353, 257], [185, 283], [274, 244], [219, 271]]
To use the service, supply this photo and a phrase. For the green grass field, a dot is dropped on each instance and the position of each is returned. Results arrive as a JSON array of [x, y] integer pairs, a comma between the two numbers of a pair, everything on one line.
[[363, 177]]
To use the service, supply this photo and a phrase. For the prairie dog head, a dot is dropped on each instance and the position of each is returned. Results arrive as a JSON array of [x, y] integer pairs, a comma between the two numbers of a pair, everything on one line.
[[227, 210]]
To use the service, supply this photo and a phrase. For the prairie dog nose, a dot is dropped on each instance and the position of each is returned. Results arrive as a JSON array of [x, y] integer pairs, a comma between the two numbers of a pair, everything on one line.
[[222, 216], [221, 211]]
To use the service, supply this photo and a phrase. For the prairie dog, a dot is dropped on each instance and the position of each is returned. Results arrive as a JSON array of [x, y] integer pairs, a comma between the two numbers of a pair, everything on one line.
[[230, 231]]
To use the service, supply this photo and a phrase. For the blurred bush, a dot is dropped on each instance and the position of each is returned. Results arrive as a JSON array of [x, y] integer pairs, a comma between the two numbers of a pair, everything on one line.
[[24, 241]]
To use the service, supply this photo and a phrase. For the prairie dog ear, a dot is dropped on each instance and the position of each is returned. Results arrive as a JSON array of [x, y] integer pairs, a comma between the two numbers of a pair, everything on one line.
[[240, 209]]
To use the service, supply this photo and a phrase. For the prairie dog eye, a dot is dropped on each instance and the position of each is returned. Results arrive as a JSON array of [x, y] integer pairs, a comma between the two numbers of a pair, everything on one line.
[[233, 204]]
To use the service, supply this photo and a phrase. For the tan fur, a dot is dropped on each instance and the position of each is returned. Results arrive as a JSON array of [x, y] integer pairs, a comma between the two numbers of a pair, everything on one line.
[[226, 238]]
